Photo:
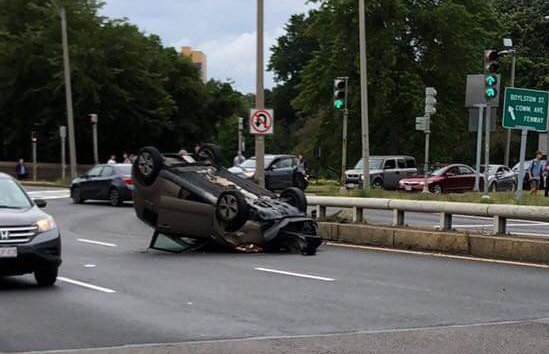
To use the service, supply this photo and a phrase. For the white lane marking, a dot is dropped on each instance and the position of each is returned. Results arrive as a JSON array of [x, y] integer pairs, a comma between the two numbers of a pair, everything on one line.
[[299, 275], [529, 234], [491, 219], [491, 224], [89, 266], [441, 255], [86, 285], [83, 240], [50, 194]]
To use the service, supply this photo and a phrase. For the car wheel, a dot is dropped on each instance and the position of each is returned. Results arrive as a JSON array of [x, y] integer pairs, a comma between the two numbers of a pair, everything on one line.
[[377, 183], [232, 210], [46, 276], [148, 165], [114, 198], [295, 197], [210, 152], [437, 189], [76, 195]]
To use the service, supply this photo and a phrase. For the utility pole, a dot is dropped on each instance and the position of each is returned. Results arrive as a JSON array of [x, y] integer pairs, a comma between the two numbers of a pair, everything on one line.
[[364, 97], [487, 151], [63, 136], [94, 119], [259, 97], [68, 93]]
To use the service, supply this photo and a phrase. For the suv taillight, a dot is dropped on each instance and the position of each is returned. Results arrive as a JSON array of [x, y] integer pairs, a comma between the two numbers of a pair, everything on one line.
[[128, 181]]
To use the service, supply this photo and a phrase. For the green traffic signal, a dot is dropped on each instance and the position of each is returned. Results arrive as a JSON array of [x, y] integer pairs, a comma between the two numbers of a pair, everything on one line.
[[491, 92], [491, 80], [338, 104]]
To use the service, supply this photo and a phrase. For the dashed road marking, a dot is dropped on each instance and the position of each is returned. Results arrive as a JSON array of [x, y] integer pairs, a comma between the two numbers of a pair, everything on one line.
[[50, 194], [299, 275], [106, 244], [86, 285]]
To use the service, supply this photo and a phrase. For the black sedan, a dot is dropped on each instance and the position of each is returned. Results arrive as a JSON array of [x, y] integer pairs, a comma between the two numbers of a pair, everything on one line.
[[111, 182]]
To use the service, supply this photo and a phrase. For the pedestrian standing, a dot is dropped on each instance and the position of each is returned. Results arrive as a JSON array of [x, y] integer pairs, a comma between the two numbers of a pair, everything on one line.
[[126, 158], [301, 172], [21, 170], [112, 160], [238, 159], [535, 172]]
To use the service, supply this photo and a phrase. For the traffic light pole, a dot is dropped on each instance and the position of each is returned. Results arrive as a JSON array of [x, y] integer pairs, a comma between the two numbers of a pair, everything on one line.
[[427, 142], [344, 133], [509, 131], [481, 108], [487, 151], [259, 97]]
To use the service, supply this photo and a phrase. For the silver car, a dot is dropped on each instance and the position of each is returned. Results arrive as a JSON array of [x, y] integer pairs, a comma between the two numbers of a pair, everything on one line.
[[385, 171]]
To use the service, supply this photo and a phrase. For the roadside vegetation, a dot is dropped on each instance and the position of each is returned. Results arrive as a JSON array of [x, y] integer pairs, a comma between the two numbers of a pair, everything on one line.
[[332, 188]]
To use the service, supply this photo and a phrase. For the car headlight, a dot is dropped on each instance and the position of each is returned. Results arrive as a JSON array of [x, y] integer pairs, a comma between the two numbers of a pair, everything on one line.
[[46, 224], [249, 174]]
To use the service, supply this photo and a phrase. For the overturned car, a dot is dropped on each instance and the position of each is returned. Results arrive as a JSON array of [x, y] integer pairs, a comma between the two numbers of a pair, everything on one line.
[[193, 201]]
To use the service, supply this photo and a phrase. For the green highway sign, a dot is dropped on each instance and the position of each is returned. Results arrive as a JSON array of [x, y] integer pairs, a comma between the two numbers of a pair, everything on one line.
[[526, 109]]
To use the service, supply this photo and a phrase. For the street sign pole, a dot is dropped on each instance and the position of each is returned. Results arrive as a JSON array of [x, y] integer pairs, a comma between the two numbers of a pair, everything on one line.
[[63, 136], [259, 97], [481, 108], [34, 158], [523, 140], [344, 132], [94, 121]]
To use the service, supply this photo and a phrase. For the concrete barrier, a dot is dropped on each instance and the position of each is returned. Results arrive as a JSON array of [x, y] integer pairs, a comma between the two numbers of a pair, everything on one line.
[[496, 247]]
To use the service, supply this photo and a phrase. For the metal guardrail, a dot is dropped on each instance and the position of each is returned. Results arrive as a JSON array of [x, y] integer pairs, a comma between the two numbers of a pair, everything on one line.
[[499, 212]]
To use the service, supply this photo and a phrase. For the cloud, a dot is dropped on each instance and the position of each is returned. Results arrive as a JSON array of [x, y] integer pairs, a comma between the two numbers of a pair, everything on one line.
[[224, 29]]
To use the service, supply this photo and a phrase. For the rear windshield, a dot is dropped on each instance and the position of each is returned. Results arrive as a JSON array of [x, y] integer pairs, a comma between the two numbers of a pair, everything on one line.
[[11, 196], [124, 170]]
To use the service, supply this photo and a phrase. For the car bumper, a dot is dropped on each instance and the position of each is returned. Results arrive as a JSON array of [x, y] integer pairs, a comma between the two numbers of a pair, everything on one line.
[[43, 250], [411, 188]]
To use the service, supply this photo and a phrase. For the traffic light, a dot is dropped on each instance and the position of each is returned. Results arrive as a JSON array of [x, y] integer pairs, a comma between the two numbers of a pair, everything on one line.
[[340, 93], [430, 100], [491, 66]]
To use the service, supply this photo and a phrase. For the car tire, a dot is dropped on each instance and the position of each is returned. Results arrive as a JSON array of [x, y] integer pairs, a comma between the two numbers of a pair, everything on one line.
[[148, 165], [114, 198], [437, 189], [46, 276], [76, 195], [377, 183], [232, 210], [295, 197], [210, 152]]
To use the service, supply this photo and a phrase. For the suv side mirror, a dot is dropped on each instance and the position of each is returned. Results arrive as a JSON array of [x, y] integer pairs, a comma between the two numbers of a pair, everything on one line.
[[41, 203]]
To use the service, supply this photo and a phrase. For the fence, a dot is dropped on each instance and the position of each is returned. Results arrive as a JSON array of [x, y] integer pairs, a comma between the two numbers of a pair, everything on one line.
[[499, 212]]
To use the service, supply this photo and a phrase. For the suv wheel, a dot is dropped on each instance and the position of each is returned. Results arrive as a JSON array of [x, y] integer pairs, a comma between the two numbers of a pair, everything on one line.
[[232, 210], [377, 183], [148, 165], [210, 152], [295, 197], [46, 276]]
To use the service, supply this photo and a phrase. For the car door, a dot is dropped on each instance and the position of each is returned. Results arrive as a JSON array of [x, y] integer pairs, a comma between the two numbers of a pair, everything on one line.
[[103, 183], [87, 182], [451, 181], [281, 173], [411, 167], [467, 178], [390, 173], [506, 180]]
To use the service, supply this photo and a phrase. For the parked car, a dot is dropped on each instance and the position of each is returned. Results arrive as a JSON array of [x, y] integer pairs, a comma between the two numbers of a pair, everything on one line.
[[385, 171], [526, 180], [500, 178], [30, 241], [111, 182], [280, 172], [190, 203], [451, 178]]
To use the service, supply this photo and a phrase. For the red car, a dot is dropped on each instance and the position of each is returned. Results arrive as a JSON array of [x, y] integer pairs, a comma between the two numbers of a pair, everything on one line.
[[451, 178]]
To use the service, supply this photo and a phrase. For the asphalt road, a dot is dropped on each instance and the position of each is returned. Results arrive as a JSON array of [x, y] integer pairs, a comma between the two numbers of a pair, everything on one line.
[[114, 292]]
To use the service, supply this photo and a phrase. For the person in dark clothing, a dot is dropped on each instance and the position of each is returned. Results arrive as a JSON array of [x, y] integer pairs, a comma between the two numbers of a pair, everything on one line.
[[546, 176], [21, 170]]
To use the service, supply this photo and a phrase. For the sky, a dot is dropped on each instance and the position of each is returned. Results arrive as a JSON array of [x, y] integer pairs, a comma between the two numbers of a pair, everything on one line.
[[225, 30]]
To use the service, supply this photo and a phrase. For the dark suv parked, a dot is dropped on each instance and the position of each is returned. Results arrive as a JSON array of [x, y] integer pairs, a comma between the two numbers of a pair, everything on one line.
[[29, 238]]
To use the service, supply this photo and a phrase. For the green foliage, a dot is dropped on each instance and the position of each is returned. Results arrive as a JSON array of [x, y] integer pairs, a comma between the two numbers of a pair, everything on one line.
[[144, 94], [411, 45]]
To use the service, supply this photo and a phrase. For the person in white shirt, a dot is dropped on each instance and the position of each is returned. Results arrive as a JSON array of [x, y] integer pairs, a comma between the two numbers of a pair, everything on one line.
[[112, 160]]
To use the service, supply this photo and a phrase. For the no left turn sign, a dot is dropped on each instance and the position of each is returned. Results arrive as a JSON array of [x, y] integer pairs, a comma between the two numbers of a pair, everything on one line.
[[261, 121]]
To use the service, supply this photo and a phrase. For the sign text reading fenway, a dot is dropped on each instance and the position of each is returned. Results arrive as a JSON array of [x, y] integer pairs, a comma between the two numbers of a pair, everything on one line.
[[261, 121]]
